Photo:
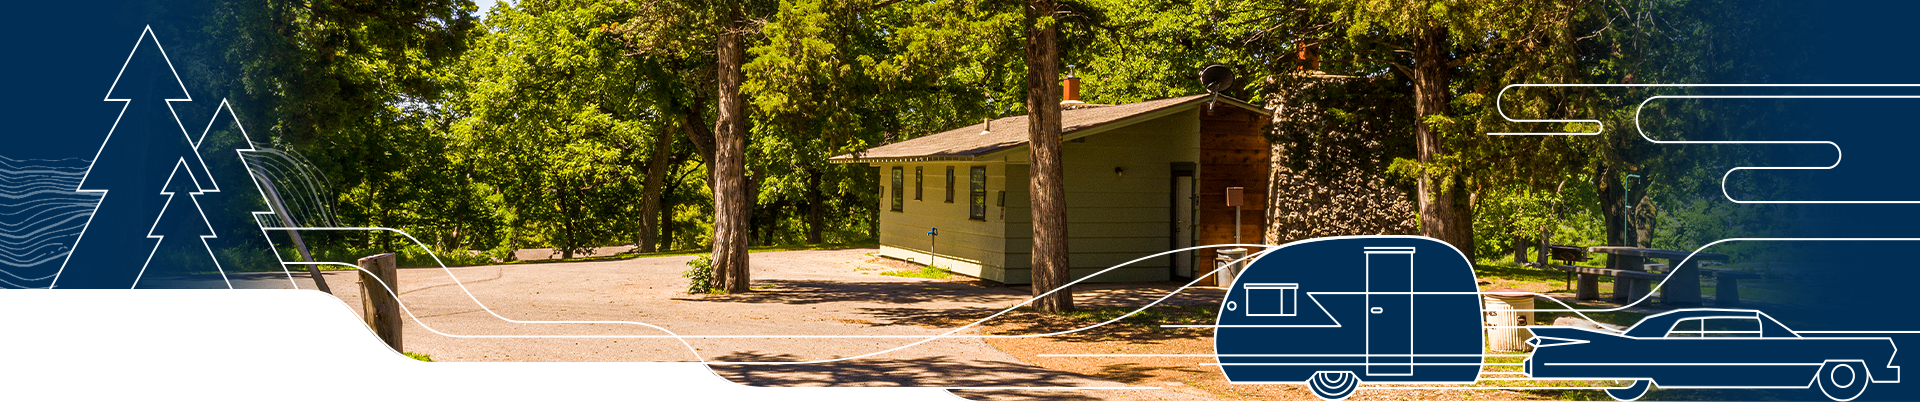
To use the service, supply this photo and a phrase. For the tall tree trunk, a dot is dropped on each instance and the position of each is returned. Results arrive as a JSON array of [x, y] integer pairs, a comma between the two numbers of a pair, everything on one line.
[[1520, 250], [1444, 214], [730, 210], [1050, 269], [666, 214], [702, 137], [650, 197], [757, 227], [567, 240], [816, 219], [1644, 217], [1611, 210]]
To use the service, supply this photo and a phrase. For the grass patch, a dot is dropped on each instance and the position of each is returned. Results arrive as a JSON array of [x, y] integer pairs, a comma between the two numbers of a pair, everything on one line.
[[927, 272], [419, 356]]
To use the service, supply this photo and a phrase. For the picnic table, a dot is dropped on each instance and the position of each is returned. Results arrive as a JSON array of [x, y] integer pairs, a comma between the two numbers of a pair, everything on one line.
[[1682, 278]]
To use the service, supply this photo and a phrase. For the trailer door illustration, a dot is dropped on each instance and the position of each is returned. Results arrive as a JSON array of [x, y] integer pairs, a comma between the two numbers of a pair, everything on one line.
[[1389, 311]]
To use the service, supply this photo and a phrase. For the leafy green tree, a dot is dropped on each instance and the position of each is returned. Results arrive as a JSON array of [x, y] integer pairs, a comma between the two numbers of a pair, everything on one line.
[[554, 120], [664, 29], [354, 86]]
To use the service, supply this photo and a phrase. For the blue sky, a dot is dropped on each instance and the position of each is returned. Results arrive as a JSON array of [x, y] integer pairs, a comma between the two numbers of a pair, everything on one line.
[[487, 4]]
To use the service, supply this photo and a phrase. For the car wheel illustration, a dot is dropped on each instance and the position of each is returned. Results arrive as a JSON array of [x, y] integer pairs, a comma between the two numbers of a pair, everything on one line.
[[1333, 386], [1631, 392], [1843, 380]]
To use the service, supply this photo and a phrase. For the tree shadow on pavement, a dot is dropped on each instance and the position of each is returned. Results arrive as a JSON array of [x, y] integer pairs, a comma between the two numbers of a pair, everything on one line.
[[803, 292], [931, 371], [1134, 373]]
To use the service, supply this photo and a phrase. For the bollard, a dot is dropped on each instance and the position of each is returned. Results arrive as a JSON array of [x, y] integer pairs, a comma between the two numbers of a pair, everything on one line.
[[381, 309]]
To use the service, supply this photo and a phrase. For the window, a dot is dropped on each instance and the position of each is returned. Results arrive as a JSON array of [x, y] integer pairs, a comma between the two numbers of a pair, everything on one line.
[[1716, 327], [1272, 299], [949, 184], [1731, 327], [1689, 328], [919, 185], [977, 193], [899, 193]]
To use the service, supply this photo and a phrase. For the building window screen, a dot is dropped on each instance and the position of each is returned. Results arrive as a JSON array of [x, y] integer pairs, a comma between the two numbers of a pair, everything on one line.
[[949, 184], [919, 183], [899, 190], [977, 193]]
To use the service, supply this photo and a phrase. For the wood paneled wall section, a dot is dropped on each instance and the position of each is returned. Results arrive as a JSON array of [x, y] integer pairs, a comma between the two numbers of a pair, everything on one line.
[[1233, 153]]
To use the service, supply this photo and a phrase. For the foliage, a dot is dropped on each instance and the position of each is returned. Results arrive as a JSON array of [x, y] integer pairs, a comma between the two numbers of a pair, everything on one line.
[[699, 275], [553, 124], [534, 125]]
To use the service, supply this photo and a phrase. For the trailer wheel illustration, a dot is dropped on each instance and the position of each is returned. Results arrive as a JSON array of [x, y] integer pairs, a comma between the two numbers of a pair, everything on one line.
[[1333, 385], [1339, 313]]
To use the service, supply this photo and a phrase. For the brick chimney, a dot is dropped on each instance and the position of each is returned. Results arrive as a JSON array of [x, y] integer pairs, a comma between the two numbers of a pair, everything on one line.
[[1070, 89]]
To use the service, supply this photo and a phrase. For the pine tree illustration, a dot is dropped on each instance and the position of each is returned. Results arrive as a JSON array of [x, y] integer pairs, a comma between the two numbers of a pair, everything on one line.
[[140, 155]]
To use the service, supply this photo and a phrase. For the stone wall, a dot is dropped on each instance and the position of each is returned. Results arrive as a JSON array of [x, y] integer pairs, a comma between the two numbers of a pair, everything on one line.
[[1329, 162]]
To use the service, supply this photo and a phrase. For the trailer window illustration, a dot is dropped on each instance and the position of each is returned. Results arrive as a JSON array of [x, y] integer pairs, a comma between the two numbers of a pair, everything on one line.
[[1272, 299]]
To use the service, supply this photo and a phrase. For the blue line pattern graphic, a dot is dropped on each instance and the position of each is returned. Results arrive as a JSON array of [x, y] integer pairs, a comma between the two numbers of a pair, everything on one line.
[[41, 215]]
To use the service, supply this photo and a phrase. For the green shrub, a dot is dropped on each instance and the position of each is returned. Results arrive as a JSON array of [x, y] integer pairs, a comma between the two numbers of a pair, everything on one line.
[[699, 275], [419, 356]]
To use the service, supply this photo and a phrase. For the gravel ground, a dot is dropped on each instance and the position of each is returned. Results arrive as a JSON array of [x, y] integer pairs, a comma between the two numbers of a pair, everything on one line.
[[807, 305]]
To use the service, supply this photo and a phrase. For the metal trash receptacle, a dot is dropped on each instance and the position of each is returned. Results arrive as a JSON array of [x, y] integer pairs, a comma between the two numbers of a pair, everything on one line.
[[1507, 312], [1228, 262]]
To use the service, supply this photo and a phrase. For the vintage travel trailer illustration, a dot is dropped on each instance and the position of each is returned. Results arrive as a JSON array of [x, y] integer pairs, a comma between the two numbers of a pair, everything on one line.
[[1334, 313]]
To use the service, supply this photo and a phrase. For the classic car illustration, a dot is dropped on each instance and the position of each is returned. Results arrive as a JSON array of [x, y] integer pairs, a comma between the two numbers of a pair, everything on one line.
[[1712, 348]]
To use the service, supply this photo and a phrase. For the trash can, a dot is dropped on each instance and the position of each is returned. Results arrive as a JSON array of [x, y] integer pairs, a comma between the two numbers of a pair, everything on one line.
[[1228, 262], [1504, 322]]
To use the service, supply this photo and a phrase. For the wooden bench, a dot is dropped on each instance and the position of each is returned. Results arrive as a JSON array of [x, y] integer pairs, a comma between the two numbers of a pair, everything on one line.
[[1726, 292], [1628, 285]]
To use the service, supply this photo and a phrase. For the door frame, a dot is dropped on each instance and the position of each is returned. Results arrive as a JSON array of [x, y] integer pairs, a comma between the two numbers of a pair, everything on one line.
[[1189, 170], [1381, 368]]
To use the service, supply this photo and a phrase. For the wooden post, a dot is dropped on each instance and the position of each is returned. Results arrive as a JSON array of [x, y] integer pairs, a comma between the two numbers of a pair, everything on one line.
[[286, 219], [380, 307]]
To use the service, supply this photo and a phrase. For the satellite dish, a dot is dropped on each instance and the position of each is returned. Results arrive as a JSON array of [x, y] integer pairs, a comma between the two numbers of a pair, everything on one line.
[[1216, 78]]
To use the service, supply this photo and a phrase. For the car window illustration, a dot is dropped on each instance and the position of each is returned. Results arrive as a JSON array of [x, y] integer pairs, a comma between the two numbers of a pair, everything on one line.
[[1731, 327], [1716, 327], [1690, 328]]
